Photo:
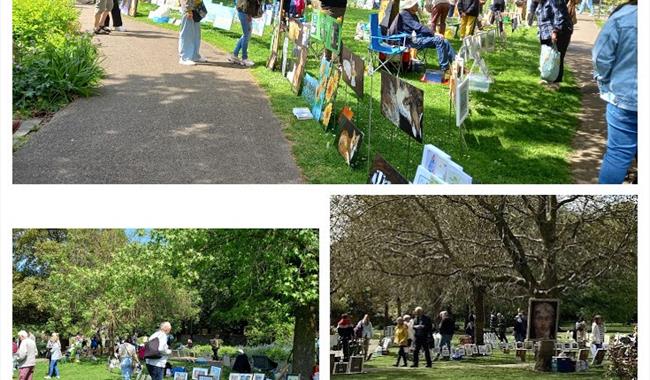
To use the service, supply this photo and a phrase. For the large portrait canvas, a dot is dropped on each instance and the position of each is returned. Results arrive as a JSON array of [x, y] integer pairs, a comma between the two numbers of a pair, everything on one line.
[[543, 318], [403, 104], [353, 69]]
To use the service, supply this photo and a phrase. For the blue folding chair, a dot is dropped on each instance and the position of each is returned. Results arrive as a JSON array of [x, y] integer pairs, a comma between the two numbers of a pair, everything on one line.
[[380, 44]]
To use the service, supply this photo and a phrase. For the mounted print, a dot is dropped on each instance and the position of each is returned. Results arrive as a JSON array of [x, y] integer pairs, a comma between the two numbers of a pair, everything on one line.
[[286, 60], [215, 372], [257, 26], [403, 104], [212, 11], [319, 98], [223, 17], [196, 372], [348, 139], [300, 56], [309, 85], [382, 173], [462, 101], [315, 25], [246, 376], [543, 318], [491, 39], [356, 364], [180, 376], [258, 376], [353, 70], [330, 96], [293, 377], [275, 39], [295, 31], [205, 377], [334, 35]]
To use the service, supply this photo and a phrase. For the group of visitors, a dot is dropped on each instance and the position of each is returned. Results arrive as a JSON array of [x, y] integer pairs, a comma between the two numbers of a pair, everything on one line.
[[104, 11]]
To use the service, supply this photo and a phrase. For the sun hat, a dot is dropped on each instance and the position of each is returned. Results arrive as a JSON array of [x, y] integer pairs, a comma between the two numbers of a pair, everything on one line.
[[406, 4]]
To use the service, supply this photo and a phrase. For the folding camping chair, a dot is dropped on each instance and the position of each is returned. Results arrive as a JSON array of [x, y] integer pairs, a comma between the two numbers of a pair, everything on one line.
[[378, 44]]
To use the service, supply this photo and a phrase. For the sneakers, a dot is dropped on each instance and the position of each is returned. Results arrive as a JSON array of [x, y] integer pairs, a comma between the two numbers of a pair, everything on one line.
[[106, 29], [233, 59], [186, 62], [247, 63], [201, 60], [119, 29]]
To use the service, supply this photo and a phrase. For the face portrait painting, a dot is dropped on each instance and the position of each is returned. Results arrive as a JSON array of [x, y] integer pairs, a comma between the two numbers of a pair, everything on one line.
[[543, 319]]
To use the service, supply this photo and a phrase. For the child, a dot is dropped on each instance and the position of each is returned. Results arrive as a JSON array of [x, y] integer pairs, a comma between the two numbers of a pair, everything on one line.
[[401, 339]]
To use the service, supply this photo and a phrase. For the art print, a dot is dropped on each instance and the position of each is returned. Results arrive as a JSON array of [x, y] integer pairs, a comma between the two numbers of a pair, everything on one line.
[[234, 376], [403, 104], [353, 71], [330, 96], [462, 101], [315, 25], [334, 35], [275, 40], [456, 176], [246, 376], [257, 26], [543, 319], [223, 17], [356, 364], [491, 39], [196, 372], [258, 376], [295, 31], [285, 56], [293, 377], [382, 173], [215, 372], [348, 139], [340, 368], [309, 85], [300, 56], [205, 377], [212, 11], [323, 79], [435, 160], [180, 376]]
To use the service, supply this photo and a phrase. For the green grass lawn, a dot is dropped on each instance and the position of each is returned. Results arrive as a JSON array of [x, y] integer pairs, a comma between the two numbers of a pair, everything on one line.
[[497, 366], [519, 132], [86, 370]]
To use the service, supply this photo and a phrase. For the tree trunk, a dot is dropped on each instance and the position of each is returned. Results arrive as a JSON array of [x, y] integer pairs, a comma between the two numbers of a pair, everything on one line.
[[386, 316], [304, 339], [399, 306], [479, 309], [544, 356]]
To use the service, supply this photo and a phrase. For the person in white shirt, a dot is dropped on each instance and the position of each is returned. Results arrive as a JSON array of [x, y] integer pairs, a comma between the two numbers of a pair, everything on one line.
[[598, 332], [365, 327], [409, 323], [54, 345], [156, 366], [26, 356]]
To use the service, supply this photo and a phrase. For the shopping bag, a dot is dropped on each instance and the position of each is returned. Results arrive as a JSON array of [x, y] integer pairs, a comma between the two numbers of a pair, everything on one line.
[[549, 63]]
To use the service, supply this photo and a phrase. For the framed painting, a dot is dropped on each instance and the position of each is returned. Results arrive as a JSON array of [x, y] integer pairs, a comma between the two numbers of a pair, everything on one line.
[[215, 372], [403, 104], [348, 139], [180, 376], [353, 71], [543, 320], [196, 372]]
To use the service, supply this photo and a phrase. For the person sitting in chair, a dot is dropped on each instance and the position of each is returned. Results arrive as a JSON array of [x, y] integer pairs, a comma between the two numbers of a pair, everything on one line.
[[408, 22]]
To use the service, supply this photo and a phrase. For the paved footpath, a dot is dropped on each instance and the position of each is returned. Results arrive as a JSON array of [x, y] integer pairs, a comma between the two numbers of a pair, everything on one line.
[[155, 121], [591, 136]]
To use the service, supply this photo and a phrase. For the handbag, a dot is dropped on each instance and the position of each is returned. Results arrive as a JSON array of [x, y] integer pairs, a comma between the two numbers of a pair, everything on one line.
[[549, 63], [259, 11], [199, 12]]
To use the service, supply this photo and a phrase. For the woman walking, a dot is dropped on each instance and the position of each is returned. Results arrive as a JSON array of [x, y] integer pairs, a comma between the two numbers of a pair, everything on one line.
[[615, 68], [246, 10], [189, 39], [128, 358], [555, 29], [54, 345]]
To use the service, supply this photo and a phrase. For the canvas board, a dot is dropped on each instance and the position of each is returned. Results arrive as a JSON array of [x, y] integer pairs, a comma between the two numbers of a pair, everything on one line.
[[215, 372], [257, 26], [543, 318], [348, 139], [353, 71], [356, 364], [382, 173], [223, 17], [180, 376], [462, 101], [403, 104], [198, 371]]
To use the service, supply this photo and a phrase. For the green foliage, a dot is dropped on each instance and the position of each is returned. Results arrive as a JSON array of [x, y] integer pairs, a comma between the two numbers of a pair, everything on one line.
[[202, 350], [53, 63], [228, 350]]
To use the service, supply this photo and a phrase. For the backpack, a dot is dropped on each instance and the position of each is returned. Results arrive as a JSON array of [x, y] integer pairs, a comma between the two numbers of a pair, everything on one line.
[[141, 352], [151, 349]]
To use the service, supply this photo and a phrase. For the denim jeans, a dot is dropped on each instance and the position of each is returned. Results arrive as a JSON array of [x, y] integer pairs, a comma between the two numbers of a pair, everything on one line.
[[126, 368], [445, 340], [446, 53], [189, 39], [54, 368], [242, 43], [621, 144], [156, 373], [587, 3]]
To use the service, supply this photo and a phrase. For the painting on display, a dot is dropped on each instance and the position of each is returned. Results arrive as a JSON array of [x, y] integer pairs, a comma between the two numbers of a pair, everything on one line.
[[462, 101], [309, 85], [348, 139], [334, 35], [196, 372], [543, 318], [300, 61], [382, 173], [180, 376], [212, 11], [330, 96], [491, 39], [223, 17], [403, 104], [286, 60], [315, 25], [356, 364], [319, 96], [353, 70], [295, 31], [215, 372], [275, 40], [205, 377], [258, 376]]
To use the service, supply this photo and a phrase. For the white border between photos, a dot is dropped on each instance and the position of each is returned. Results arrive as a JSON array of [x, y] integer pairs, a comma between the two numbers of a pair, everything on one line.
[[235, 206]]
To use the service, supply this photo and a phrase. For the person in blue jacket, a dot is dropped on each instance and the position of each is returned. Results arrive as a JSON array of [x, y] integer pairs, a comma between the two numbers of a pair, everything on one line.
[[615, 69], [555, 29], [408, 22]]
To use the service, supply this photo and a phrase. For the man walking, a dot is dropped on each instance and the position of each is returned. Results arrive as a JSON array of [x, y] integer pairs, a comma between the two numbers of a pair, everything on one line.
[[26, 356], [423, 329], [157, 351]]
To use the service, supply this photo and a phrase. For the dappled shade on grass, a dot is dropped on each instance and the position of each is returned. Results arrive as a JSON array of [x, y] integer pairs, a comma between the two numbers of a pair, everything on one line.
[[519, 132]]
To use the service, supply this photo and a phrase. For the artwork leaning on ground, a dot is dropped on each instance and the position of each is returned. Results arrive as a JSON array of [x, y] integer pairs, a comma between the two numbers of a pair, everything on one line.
[[382, 173], [348, 139], [403, 104], [353, 70], [223, 17]]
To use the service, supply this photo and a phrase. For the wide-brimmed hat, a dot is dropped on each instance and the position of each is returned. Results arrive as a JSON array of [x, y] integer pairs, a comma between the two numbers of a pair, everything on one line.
[[406, 4]]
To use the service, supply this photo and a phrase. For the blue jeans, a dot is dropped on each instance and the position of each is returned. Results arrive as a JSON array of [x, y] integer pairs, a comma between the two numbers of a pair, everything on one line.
[[126, 368], [445, 340], [54, 369], [156, 373], [189, 39], [587, 3], [242, 43], [446, 53], [621, 144]]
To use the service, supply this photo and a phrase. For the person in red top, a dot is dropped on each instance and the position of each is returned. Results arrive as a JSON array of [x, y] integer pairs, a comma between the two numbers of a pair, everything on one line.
[[345, 329]]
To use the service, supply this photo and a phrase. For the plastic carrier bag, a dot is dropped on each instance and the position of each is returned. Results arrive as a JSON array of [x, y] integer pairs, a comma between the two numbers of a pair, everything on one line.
[[549, 63]]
